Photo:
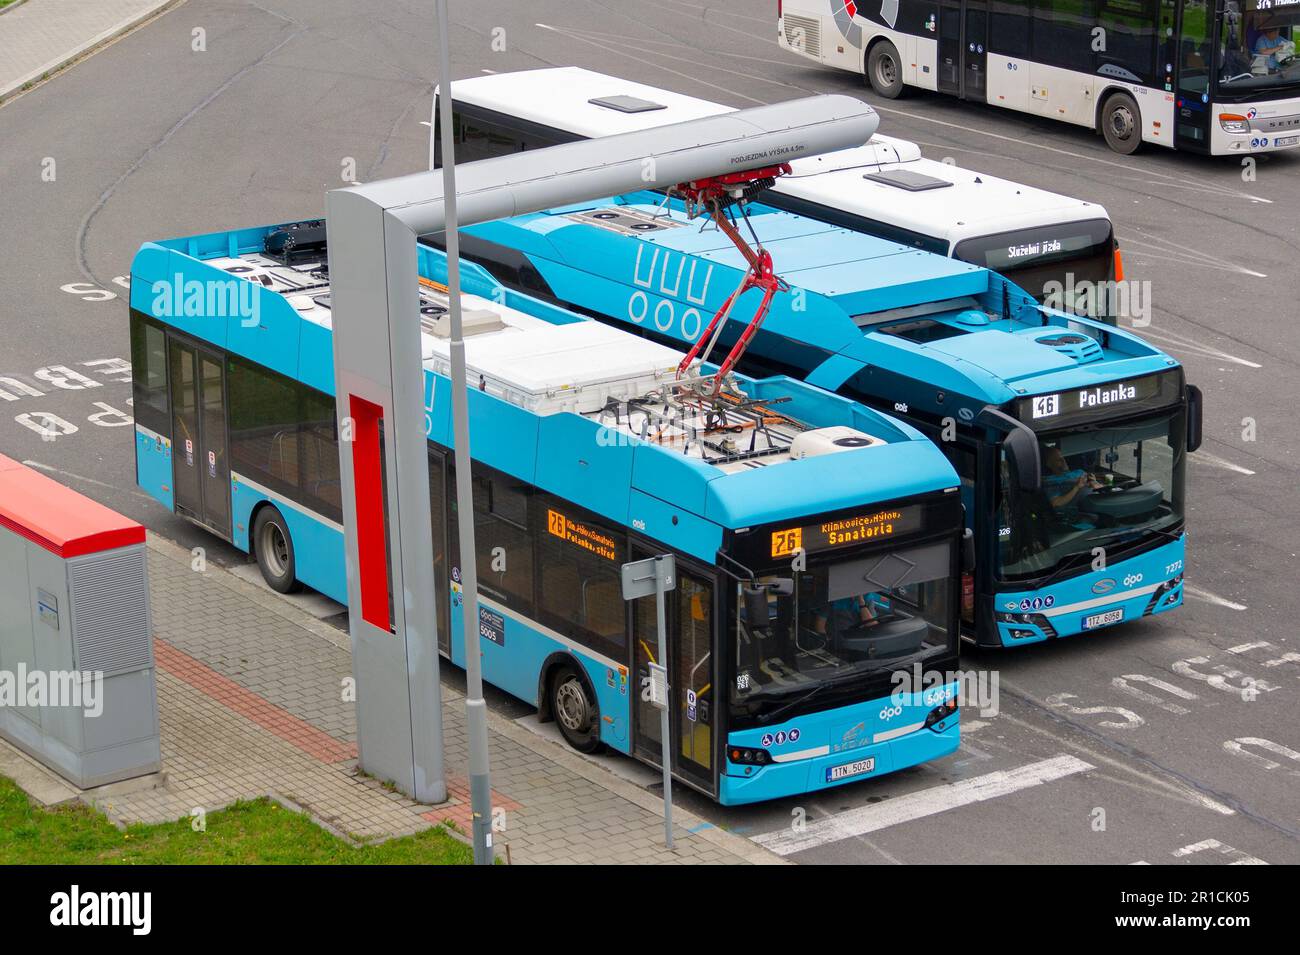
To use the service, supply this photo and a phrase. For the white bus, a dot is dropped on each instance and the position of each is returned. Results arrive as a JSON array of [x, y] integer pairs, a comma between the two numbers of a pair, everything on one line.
[[1051, 245], [1212, 76]]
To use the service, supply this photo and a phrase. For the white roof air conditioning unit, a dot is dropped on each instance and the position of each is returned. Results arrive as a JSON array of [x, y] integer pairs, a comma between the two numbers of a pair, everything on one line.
[[820, 441]]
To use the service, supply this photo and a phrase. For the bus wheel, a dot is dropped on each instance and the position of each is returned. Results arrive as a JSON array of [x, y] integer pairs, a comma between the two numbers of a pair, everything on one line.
[[274, 550], [885, 70], [1121, 124], [575, 710]]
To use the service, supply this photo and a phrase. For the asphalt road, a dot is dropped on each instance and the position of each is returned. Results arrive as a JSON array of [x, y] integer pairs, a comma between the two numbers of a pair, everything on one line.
[[1088, 760]]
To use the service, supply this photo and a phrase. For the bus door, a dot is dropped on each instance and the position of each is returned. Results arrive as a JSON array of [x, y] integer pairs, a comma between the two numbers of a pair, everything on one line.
[[1193, 60], [975, 38], [949, 65], [692, 666], [200, 468]]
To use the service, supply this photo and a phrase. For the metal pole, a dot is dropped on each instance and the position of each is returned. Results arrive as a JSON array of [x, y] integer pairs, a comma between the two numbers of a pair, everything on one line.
[[480, 791], [663, 714]]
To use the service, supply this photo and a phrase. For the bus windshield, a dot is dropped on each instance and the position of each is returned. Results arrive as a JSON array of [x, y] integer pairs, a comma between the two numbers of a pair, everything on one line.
[[1104, 486], [1257, 46], [798, 633]]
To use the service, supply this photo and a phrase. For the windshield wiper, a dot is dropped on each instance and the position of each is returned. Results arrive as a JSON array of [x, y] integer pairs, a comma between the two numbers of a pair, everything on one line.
[[784, 707], [1068, 562]]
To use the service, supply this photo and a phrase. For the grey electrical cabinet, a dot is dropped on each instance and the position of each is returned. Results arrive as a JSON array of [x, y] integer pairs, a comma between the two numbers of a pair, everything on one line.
[[77, 687]]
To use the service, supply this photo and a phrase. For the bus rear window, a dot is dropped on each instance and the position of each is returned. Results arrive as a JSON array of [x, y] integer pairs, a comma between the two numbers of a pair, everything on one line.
[[1050, 262]]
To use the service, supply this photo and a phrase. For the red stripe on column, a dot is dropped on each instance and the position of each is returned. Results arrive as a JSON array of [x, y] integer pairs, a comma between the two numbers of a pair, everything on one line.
[[368, 486]]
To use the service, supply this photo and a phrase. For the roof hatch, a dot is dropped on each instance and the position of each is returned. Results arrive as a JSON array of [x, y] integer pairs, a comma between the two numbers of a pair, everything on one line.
[[626, 104]]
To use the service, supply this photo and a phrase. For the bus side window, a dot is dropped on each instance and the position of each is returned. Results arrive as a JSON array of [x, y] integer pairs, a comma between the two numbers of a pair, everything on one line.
[[149, 374], [579, 575], [502, 539], [1062, 33], [1130, 36], [318, 456], [1009, 28]]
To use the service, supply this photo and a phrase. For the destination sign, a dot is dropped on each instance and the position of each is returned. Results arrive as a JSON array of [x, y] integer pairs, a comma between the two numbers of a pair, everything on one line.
[[579, 534], [1042, 410], [844, 531]]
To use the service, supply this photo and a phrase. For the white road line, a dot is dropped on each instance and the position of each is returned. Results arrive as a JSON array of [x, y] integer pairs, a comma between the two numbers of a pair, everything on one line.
[[1204, 457], [1188, 344], [134, 492], [68, 474], [1199, 594], [918, 805], [1183, 255], [657, 66]]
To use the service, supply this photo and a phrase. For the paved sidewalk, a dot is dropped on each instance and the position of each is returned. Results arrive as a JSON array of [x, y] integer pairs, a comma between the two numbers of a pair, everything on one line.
[[250, 691], [40, 36]]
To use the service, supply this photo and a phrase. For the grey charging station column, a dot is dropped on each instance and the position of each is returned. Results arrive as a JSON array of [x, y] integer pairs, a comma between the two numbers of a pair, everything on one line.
[[379, 376]]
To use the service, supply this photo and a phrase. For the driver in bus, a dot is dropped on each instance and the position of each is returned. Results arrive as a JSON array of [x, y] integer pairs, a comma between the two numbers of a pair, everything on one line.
[[1270, 44], [1063, 486], [847, 613]]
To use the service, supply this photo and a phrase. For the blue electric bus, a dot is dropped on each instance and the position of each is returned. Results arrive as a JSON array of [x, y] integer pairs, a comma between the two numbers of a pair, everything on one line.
[[817, 541], [1069, 435]]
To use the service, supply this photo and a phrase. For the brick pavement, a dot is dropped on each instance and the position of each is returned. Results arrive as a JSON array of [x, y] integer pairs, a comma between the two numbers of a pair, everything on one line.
[[251, 695]]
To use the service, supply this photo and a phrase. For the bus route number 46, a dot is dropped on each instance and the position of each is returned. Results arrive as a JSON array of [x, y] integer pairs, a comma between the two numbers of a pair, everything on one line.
[[1045, 406]]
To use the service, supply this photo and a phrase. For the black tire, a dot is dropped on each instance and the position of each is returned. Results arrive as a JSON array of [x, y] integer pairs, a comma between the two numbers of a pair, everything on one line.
[[885, 70], [273, 547], [574, 709], [1121, 124]]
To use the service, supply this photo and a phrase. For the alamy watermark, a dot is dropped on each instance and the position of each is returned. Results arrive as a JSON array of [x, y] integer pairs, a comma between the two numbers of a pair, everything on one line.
[[65, 689], [213, 298], [978, 688], [1126, 300]]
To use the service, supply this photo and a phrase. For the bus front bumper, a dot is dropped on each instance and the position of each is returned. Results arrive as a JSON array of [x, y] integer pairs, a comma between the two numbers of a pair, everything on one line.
[[1148, 584], [739, 785], [1270, 127]]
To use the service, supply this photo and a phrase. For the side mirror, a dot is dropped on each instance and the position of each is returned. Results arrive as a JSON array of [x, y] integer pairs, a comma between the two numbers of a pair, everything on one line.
[[1021, 446], [1195, 418], [755, 607], [1025, 459]]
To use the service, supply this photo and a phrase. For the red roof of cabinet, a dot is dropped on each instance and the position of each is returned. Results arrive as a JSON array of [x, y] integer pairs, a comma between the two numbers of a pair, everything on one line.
[[58, 518]]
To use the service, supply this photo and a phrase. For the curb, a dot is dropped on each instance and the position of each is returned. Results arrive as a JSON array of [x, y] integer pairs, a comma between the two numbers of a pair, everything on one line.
[[684, 820], [47, 70], [13, 6]]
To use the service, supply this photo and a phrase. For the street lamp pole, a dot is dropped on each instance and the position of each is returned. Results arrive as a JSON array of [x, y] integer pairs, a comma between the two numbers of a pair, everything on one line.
[[475, 708]]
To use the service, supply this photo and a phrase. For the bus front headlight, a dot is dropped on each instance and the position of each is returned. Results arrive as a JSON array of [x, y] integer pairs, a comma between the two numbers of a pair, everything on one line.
[[1232, 123]]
